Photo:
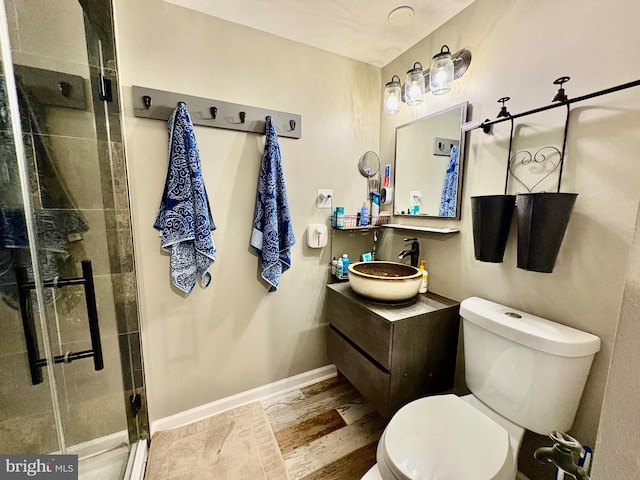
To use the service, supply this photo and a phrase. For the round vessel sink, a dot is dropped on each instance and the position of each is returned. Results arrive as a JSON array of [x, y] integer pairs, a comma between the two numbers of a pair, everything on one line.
[[385, 281]]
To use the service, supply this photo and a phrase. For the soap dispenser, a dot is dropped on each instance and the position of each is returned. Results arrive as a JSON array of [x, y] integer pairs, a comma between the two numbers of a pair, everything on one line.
[[425, 278]]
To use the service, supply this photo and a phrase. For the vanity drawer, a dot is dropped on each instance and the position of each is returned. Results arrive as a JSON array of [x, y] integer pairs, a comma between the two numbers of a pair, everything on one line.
[[369, 380], [367, 330]]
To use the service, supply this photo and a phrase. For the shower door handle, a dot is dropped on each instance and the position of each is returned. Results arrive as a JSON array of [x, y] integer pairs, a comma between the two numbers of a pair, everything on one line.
[[24, 289]]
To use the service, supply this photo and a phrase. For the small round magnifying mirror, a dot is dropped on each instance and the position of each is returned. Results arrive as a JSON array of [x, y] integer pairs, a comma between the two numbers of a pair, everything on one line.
[[369, 164]]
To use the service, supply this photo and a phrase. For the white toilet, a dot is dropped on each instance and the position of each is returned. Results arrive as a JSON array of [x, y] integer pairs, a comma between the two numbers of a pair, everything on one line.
[[524, 372]]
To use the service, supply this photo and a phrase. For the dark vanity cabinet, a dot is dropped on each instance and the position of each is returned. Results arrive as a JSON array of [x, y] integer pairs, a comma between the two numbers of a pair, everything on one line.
[[393, 354]]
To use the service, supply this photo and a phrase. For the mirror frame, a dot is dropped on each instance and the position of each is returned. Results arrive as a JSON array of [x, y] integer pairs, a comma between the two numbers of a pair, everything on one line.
[[463, 107]]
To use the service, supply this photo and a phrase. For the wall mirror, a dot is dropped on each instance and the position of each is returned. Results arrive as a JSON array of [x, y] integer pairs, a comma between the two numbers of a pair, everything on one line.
[[429, 161]]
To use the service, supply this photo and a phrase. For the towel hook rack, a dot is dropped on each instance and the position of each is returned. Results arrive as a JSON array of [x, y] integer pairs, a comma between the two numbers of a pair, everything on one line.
[[209, 112]]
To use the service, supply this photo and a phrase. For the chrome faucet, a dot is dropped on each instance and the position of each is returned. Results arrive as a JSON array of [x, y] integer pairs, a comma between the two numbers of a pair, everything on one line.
[[562, 455], [414, 252]]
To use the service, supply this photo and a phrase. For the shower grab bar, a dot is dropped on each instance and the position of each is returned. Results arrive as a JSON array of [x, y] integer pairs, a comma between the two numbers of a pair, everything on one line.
[[24, 287]]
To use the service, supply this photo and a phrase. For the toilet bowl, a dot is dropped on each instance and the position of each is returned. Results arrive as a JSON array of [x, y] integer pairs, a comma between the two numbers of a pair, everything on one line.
[[512, 361], [446, 437]]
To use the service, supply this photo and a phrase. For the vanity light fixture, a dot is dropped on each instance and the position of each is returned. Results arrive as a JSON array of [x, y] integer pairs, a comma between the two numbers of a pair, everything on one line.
[[414, 85], [441, 72], [392, 96], [438, 79]]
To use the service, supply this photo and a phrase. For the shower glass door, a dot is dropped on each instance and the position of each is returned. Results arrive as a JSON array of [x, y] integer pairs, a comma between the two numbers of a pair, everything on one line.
[[70, 372]]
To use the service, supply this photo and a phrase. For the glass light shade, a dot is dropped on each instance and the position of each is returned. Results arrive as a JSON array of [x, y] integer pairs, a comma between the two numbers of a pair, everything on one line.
[[392, 96], [414, 86], [441, 72]]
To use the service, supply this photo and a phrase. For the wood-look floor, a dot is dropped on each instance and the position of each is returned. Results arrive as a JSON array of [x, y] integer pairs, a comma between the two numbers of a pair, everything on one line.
[[325, 431]]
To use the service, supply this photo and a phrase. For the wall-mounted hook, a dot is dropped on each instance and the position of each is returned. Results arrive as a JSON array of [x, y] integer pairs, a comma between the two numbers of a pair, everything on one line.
[[243, 117], [65, 88], [503, 111], [214, 112], [560, 95], [146, 99], [292, 124]]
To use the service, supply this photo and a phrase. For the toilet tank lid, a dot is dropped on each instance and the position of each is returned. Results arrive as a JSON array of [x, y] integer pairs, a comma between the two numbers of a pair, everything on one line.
[[527, 329]]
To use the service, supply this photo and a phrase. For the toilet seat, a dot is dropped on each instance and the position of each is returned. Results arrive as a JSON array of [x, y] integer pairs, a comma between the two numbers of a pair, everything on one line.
[[444, 438]]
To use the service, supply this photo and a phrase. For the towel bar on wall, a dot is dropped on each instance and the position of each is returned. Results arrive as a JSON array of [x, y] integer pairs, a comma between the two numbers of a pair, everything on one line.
[[159, 104]]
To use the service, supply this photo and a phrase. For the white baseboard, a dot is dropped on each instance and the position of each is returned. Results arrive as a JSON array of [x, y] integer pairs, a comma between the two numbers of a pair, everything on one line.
[[243, 398]]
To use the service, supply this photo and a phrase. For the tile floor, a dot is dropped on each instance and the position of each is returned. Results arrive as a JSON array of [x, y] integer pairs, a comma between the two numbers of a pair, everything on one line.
[[325, 431]]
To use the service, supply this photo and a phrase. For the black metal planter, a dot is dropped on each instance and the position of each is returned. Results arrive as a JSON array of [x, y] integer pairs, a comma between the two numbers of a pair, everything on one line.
[[542, 222], [491, 216]]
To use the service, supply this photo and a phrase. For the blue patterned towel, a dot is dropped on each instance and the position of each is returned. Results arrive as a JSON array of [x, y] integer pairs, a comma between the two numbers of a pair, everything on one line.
[[272, 234], [450, 187], [184, 216]]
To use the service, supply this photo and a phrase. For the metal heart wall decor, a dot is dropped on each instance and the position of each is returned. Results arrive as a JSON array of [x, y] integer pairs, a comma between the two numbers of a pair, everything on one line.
[[534, 165]]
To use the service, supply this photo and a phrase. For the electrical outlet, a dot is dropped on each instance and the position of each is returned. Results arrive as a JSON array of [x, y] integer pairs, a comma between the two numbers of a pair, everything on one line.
[[324, 198]]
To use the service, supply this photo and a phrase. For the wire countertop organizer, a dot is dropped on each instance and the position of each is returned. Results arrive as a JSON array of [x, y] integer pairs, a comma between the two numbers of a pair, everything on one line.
[[159, 104]]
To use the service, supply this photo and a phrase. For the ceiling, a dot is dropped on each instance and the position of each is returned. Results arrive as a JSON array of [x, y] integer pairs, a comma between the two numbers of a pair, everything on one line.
[[358, 29]]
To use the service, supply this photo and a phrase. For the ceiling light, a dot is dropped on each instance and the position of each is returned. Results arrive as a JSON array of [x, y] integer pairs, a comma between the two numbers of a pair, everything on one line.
[[401, 15]]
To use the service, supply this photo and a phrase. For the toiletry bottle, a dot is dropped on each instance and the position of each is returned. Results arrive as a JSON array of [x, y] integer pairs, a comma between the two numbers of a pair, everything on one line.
[[339, 271], [364, 215], [334, 264], [345, 265], [425, 278], [339, 217], [375, 207]]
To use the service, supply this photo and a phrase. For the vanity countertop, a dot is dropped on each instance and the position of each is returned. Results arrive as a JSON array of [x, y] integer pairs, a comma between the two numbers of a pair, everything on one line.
[[424, 303]]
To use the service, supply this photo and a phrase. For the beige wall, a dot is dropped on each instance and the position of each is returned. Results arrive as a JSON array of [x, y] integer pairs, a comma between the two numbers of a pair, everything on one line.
[[234, 335], [618, 439], [518, 49]]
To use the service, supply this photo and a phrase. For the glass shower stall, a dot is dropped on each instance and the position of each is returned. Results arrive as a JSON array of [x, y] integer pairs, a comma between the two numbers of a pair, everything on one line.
[[71, 376]]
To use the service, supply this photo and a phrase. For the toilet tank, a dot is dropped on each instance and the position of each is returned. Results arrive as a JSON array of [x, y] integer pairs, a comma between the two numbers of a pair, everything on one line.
[[528, 369]]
